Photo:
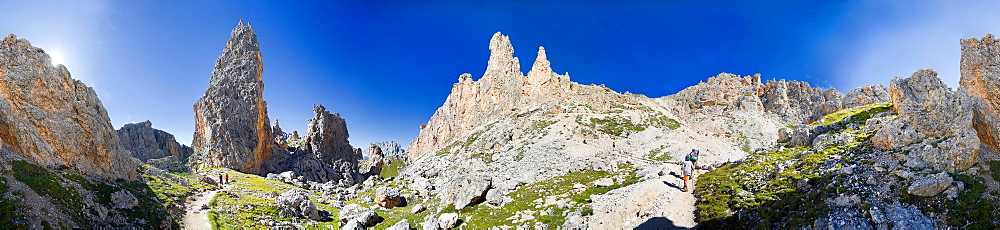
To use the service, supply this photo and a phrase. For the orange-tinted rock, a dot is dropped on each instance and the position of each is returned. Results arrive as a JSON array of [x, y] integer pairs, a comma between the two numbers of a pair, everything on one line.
[[50, 119], [981, 77], [232, 128]]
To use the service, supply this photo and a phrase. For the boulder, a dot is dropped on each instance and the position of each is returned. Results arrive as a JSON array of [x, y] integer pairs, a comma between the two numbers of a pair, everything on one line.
[[430, 223], [296, 203], [401, 225], [803, 135], [359, 213], [124, 200], [448, 220], [464, 190], [353, 225], [784, 135], [930, 185], [388, 197]]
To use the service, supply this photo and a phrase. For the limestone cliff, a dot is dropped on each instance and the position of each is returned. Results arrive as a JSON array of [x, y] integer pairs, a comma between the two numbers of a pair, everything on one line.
[[50, 119], [231, 125], [935, 123], [504, 91], [145, 142], [981, 77]]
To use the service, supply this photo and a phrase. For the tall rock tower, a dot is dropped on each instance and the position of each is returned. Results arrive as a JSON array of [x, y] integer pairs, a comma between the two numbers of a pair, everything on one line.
[[981, 77], [231, 125]]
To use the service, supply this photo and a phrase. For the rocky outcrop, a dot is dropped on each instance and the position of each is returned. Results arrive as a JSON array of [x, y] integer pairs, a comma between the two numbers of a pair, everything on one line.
[[355, 212], [376, 160], [388, 148], [981, 77], [146, 143], [52, 120], [327, 139], [934, 123], [864, 95], [232, 129]]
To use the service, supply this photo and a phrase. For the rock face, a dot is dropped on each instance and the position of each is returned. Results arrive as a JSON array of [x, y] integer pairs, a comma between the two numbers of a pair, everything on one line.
[[502, 91], [864, 95], [388, 148], [232, 129], [327, 139], [388, 197], [981, 77], [51, 120], [146, 143], [375, 160], [934, 123]]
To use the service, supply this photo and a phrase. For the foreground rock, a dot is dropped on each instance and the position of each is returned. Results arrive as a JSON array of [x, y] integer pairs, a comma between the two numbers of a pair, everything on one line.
[[388, 197], [50, 119], [930, 185], [355, 212], [934, 124], [981, 77], [146, 143], [296, 203]]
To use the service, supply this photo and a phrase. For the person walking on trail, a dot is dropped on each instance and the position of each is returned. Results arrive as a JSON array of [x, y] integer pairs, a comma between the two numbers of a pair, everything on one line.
[[694, 158], [686, 168], [221, 182], [227, 178]]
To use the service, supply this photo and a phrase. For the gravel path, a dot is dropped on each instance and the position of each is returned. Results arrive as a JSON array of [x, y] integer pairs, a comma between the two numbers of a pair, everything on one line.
[[656, 203], [194, 216]]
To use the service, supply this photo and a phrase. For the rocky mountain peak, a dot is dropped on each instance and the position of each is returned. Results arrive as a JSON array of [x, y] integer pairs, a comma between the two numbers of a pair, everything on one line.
[[502, 63], [541, 71], [327, 139], [50, 119]]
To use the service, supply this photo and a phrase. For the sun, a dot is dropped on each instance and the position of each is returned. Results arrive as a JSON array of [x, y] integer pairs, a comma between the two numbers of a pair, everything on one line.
[[57, 58]]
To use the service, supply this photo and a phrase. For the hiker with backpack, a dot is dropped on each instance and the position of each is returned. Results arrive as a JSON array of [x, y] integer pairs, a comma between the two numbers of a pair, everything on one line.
[[686, 167], [694, 158]]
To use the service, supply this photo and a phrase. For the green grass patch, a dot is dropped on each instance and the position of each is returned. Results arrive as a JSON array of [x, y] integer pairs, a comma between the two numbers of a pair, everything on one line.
[[484, 216], [396, 164], [858, 114], [10, 212], [758, 186], [249, 200], [47, 184]]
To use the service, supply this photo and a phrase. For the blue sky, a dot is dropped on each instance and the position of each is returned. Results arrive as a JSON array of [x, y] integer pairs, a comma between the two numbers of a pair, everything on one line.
[[386, 66]]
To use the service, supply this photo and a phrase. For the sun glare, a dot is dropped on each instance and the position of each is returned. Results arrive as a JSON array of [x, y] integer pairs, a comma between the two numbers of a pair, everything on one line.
[[57, 58]]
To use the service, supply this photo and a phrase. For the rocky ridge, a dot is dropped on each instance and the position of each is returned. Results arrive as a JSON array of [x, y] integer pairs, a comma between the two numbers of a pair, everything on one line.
[[145, 142], [48, 118]]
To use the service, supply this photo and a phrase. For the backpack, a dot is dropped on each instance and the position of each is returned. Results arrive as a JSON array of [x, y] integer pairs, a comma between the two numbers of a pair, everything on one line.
[[694, 155]]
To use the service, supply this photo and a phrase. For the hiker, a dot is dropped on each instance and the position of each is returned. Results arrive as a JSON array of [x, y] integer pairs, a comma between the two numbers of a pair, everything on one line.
[[584, 139], [227, 178], [694, 158], [686, 168], [221, 182], [612, 145]]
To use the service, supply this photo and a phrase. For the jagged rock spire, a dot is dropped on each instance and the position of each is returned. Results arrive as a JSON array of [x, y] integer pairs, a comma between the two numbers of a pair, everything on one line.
[[502, 61], [541, 71], [231, 124]]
